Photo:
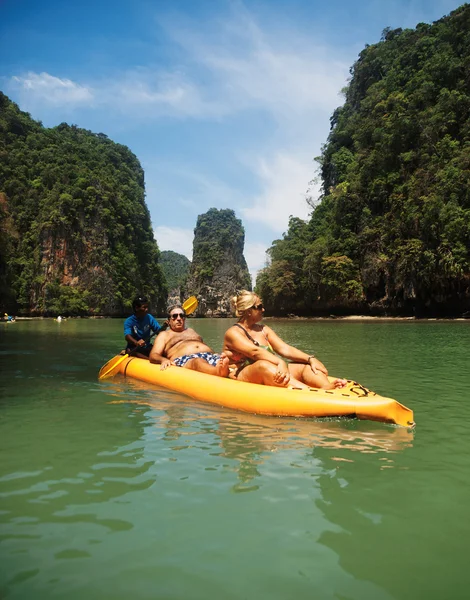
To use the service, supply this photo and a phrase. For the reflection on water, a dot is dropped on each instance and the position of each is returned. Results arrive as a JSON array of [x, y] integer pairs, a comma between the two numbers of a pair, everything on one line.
[[60, 484], [387, 535], [252, 439]]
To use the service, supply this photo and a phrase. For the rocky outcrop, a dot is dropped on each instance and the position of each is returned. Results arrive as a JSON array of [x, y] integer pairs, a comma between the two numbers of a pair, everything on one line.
[[219, 269], [76, 235]]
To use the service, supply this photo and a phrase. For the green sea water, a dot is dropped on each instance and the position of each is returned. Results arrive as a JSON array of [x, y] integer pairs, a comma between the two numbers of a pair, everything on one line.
[[117, 489]]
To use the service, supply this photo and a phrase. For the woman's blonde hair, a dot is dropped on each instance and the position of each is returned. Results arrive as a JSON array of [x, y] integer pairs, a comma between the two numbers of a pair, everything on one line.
[[244, 301]]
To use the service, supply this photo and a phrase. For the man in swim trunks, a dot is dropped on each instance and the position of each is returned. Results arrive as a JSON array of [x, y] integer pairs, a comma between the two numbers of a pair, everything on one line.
[[181, 346]]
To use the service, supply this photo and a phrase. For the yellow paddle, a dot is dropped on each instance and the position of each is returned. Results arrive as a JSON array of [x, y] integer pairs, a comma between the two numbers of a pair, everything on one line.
[[111, 367]]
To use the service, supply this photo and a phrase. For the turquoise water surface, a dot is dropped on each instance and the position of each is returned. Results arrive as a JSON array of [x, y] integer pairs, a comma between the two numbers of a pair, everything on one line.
[[118, 489]]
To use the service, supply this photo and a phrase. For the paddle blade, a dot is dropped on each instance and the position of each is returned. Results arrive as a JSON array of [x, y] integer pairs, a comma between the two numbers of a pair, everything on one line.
[[111, 367], [190, 305]]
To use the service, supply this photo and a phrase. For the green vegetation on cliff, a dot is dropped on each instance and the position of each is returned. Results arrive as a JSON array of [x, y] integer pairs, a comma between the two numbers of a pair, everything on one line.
[[392, 230], [219, 268], [175, 268], [219, 239], [76, 232]]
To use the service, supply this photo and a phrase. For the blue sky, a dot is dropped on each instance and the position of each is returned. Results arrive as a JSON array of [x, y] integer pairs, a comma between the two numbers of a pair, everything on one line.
[[225, 102]]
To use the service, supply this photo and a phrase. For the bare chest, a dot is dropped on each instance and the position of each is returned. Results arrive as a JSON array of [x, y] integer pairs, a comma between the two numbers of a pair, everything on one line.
[[175, 339]]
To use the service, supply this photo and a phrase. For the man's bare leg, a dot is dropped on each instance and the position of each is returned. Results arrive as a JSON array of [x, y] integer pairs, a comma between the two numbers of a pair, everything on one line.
[[201, 365]]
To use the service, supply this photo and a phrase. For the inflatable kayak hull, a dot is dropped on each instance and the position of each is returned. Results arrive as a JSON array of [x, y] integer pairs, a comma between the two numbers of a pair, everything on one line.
[[354, 400]]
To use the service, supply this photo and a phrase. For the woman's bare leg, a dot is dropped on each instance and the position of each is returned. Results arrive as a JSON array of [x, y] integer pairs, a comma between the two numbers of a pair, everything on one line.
[[265, 373], [319, 380]]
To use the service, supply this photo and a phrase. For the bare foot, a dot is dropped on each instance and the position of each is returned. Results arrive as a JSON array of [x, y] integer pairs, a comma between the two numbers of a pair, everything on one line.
[[340, 383], [222, 365]]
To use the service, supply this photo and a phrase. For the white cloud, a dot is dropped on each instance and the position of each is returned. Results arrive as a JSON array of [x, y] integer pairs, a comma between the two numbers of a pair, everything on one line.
[[280, 81], [51, 90], [294, 80], [284, 179], [156, 93], [175, 238], [255, 255], [229, 67], [189, 186], [282, 72]]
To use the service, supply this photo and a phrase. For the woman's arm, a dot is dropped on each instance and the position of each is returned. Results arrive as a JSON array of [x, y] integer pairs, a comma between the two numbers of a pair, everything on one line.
[[236, 341], [292, 353]]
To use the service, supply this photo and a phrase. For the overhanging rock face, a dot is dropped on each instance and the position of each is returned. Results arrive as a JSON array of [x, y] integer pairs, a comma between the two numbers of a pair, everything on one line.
[[219, 270]]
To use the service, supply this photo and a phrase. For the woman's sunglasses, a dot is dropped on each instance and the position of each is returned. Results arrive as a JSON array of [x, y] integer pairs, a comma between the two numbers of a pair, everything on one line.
[[258, 306], [174, 316]]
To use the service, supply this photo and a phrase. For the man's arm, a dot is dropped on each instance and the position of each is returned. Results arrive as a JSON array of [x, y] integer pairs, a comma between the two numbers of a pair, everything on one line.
[[128, 331], [133, 342], [154, 324], [157, 354]]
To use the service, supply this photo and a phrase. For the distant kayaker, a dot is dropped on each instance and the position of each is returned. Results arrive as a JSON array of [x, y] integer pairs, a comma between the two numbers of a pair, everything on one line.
[[251, 349], [139, 328], [183, 347]]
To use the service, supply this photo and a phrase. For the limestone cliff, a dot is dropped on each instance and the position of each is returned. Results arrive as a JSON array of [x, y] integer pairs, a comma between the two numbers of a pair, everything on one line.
[[76, 232], [219, 269]]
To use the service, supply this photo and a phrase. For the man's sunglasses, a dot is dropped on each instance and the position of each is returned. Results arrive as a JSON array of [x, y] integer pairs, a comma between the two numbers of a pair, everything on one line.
[[174, 316], [258, 306]]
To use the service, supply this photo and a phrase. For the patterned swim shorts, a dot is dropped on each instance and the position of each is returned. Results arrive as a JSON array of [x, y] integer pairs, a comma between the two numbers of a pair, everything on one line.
[[209, 357]]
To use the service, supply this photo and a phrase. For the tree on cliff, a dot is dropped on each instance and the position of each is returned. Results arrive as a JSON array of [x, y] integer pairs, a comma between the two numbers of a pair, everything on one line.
[[79, 238], [175, 268], [219, 268], [392, 230]]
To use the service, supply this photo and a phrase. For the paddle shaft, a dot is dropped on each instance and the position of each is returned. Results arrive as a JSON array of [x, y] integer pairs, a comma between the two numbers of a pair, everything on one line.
[[113, 368]]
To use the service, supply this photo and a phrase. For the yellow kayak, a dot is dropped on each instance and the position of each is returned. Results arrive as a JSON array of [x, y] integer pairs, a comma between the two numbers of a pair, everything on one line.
[[354, 400]]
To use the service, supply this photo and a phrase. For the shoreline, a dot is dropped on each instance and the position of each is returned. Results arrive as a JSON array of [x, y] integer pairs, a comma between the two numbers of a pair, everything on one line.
[[358, 318]]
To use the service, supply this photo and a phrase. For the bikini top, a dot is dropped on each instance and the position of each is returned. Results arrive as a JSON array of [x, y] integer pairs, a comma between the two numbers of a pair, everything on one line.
[[268, 347]]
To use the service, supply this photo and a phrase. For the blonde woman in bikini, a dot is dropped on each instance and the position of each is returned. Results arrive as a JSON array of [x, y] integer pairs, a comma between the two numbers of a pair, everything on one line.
[[257, 354]]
